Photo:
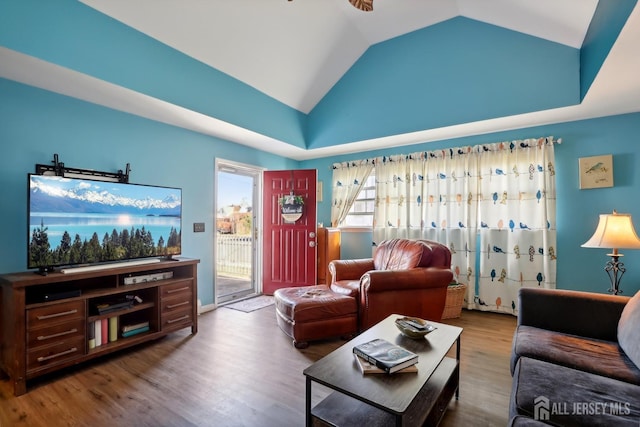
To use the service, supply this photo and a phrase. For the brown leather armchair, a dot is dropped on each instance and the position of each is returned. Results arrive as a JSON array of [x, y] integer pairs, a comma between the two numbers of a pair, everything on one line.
[[408, 277]]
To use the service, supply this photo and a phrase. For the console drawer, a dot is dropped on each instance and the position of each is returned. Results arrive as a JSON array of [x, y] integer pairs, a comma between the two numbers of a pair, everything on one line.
[[183, 288], [177, 319], [63, 351], [178, 303], [58, 332], [55, 313]]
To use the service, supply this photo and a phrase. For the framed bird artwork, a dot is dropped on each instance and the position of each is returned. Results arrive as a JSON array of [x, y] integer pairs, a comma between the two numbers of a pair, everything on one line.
[[596, 171]]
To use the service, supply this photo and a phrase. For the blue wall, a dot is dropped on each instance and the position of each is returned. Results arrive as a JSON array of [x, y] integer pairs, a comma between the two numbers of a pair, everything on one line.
[[457, 71], [35, 124], [577, 210], [75, 36]]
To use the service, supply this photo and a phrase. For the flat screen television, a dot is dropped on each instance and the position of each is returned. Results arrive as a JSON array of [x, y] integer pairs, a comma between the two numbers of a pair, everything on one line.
[[77, 221]]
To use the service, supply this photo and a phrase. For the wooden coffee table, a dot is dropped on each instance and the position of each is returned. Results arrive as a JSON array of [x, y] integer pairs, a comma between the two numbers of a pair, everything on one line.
[[401, 399]]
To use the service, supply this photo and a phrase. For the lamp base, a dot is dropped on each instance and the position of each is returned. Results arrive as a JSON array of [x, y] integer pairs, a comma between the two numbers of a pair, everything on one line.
[[615, 270]]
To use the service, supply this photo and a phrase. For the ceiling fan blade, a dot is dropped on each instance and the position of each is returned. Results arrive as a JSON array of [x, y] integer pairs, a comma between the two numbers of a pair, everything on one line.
[[365, 5]]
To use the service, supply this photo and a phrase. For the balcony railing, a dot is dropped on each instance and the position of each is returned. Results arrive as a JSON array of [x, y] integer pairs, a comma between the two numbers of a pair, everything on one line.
[[234, 255]]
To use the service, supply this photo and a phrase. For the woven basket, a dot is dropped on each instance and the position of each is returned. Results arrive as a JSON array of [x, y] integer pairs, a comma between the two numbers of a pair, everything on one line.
[[453, 303]]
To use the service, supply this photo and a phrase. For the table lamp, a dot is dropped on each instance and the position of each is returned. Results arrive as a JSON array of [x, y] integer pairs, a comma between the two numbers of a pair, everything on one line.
[[615, 231]]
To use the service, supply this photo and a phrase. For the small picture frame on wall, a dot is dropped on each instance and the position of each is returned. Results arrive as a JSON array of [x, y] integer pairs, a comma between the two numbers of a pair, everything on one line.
[[596, 171]]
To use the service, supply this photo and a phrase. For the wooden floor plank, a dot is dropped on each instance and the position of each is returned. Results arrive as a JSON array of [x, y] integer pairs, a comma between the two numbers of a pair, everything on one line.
[[239, 370]]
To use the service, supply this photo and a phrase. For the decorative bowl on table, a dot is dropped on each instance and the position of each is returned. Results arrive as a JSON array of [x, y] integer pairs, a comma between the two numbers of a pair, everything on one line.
[[414, 327]]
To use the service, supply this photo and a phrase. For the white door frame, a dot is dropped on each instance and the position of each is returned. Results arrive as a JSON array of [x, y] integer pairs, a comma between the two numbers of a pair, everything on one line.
[[229, 166]]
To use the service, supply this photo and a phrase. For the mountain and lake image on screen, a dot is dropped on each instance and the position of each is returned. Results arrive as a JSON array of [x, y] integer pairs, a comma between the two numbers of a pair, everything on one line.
[[80, 221]]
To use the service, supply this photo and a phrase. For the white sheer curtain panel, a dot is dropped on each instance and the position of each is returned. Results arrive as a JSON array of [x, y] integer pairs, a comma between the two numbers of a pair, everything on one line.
[[348, 179]]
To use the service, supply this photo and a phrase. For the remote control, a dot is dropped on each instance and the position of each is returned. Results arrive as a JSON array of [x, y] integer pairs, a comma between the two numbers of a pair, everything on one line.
[[409, 326], [417, 325]]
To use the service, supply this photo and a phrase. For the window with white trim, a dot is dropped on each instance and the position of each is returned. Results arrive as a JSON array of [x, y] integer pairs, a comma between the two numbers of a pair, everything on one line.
[[361, 213]]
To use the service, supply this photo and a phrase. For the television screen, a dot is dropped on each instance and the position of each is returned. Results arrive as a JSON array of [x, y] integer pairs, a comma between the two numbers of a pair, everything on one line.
[[81, 221]]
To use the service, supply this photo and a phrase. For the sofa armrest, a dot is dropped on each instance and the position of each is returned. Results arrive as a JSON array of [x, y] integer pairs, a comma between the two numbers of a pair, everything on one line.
[[395, 280], [572, 312], [349, 269]]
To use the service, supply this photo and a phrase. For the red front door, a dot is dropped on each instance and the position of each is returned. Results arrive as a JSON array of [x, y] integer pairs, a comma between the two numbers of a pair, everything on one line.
[[289, 246]]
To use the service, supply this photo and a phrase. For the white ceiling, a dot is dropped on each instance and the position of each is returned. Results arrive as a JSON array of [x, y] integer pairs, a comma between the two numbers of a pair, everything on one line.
[[295, 51]]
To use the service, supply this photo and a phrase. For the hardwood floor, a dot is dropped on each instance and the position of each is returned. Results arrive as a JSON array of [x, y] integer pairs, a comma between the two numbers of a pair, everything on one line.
[[239, 370]]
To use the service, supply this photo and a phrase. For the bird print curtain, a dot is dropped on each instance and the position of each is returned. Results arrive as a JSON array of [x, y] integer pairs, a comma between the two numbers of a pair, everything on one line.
[[517, 205], [493, 205], [348, 179], [426, 196]]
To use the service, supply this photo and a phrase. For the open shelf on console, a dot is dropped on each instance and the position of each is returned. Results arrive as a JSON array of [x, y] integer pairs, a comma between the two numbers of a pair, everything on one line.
[[121, 343], [121, 312], [110, 302]]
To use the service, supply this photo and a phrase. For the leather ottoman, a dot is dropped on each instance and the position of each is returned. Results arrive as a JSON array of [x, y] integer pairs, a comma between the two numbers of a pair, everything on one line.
[[315, 312]]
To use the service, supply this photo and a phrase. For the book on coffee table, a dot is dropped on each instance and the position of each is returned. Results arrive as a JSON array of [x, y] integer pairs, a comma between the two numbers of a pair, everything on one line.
[[367, 368], [385, 355]]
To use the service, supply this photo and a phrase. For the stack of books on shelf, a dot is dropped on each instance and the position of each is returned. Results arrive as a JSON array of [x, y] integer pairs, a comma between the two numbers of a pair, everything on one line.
[[134, 329], [381, 356], [102, 331]]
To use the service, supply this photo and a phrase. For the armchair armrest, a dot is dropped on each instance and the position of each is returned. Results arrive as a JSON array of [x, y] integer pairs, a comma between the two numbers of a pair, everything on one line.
[[349, 269], [395, 280], [573, 312]]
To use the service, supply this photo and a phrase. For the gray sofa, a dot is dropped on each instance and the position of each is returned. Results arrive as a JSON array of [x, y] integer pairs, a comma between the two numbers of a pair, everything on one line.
[[575, 359]]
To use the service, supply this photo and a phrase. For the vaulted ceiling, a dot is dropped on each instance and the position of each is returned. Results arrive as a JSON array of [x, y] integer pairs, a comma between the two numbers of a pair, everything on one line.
[[297, 51]]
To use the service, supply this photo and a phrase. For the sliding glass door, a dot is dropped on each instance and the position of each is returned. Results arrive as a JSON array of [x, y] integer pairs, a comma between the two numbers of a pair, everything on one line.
[[237, 198]]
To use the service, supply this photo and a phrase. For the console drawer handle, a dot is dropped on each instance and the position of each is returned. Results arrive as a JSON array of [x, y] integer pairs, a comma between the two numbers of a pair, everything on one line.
[[59, 334], [179, 319], [64, 313], [170, 291], [53, 356], [178, 304]]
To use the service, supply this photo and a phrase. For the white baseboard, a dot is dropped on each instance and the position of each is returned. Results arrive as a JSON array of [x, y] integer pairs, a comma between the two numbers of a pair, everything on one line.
[[205, 308]]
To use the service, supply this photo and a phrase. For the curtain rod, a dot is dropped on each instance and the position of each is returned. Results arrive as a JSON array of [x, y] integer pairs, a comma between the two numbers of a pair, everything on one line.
[[522, 143]]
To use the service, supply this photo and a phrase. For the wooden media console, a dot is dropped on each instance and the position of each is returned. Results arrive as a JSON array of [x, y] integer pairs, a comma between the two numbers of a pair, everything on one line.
[[49, 322]]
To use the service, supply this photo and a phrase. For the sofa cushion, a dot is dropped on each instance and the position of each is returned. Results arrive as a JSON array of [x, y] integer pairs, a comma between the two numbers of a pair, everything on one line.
[[585, 354], [570, 397], [629, 329], [586, 314], [522, 421]]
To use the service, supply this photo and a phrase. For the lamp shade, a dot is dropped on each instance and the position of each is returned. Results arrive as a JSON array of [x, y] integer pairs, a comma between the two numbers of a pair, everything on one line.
[[614, 231]]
